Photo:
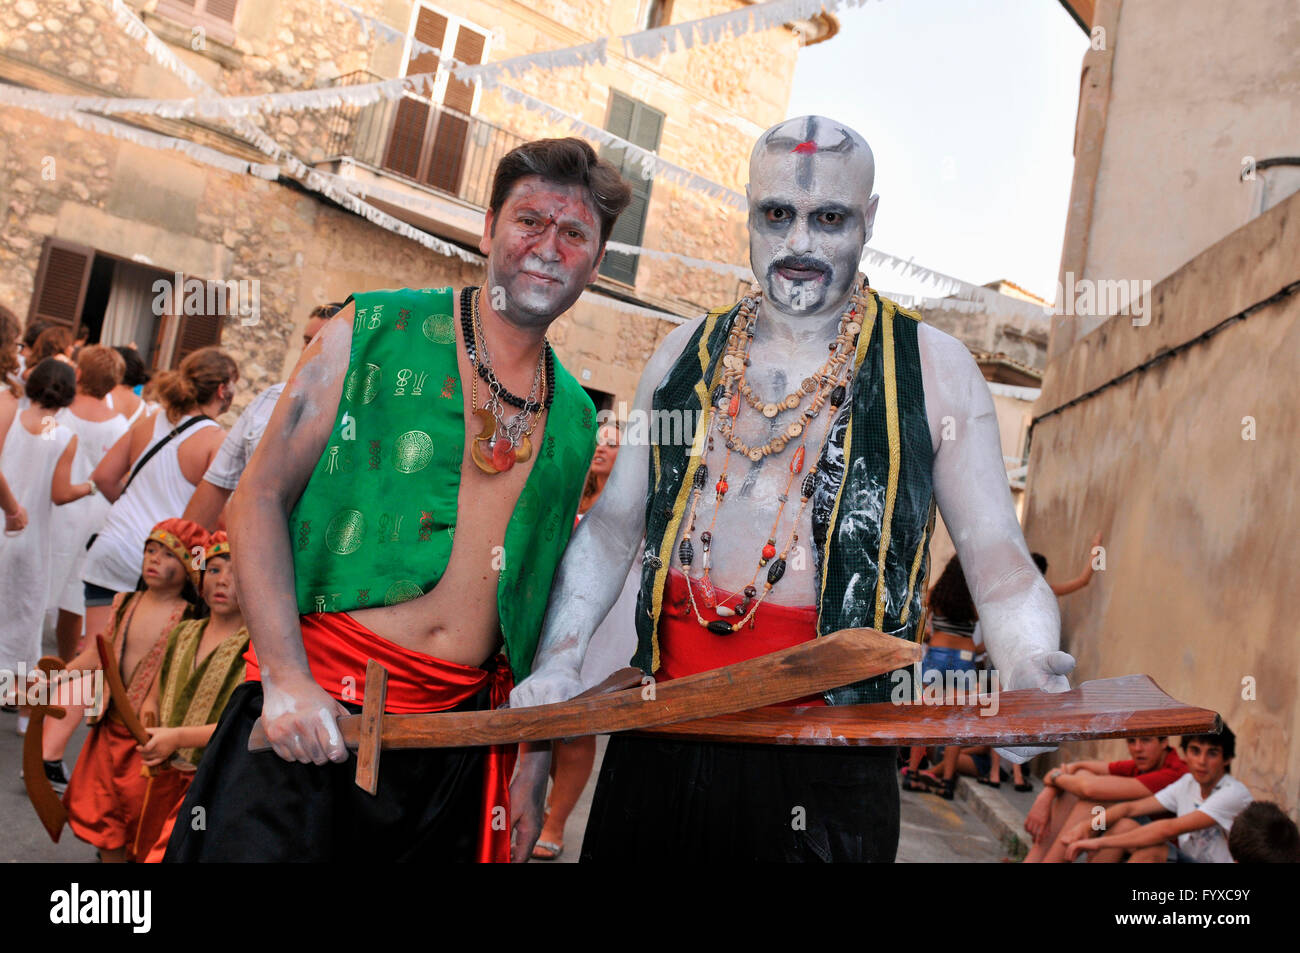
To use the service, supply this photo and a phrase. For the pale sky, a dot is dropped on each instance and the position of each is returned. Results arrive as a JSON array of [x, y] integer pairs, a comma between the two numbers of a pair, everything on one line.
[[969, 106]]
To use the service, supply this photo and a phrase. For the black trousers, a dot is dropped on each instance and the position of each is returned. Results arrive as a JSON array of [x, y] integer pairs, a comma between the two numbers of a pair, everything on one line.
[[723, 803], [258, 807]]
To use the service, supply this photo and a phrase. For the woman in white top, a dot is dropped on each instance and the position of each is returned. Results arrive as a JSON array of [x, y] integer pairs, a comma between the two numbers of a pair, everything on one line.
[[37, 459], [97, 426], [11, 389], [125, 396], [201, 389]]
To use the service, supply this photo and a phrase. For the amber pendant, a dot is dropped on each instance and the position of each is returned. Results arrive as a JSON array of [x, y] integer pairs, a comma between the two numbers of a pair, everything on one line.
[[503, 455]]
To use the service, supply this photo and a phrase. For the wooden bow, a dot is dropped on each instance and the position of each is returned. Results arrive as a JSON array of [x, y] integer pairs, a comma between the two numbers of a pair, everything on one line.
[[117, 691], [49, 806]]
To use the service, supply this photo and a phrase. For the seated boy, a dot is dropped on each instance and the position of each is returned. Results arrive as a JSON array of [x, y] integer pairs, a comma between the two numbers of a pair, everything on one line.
[[1072, 790], [1204, 803], [1263, 834]]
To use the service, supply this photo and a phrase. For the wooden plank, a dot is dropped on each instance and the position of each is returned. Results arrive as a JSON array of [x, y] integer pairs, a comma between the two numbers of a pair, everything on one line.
[[839, 659], [1125, 707], [372, 715]]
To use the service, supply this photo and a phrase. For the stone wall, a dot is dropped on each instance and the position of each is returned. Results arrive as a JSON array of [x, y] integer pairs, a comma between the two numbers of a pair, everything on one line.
[[1188, 467]]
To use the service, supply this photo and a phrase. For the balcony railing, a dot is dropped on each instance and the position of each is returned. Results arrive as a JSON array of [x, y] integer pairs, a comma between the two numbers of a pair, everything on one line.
[[419, 140]]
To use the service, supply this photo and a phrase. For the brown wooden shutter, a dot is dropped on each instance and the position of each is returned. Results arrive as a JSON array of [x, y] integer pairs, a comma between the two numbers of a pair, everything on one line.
[[406, 141], [221, 9], [430, 28], [469, 50], [195, 330], [61, 281], [642, 126]]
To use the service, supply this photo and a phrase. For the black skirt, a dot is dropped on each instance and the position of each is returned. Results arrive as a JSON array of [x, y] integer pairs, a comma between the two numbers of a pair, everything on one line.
[[723, 803], [246, 806]]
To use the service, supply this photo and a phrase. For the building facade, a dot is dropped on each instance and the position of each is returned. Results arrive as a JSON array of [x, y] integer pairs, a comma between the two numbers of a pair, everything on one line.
[[93, 222], [1174, 431]]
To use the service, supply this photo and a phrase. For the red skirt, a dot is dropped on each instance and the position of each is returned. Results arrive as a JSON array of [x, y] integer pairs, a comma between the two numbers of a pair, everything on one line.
[[162, 804], [686, 647], [106, 791]]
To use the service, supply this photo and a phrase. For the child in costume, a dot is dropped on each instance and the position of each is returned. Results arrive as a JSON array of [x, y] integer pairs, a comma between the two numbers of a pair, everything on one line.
[[202, 666], [106, 793]]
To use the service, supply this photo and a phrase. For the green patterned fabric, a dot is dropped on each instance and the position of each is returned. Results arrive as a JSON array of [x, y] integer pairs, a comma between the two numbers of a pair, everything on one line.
[[374, 525], [190, 695], [885, 497]]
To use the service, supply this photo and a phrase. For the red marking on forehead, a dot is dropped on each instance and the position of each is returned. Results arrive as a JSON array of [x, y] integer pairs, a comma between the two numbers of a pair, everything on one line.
[[805, 148]]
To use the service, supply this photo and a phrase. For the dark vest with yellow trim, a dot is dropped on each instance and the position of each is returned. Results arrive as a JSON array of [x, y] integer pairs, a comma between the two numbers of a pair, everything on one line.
[[374, 525], [878, 511]]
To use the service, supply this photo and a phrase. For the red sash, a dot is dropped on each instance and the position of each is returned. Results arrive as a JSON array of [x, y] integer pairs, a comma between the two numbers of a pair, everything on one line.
[[338, 648], [685, 647]]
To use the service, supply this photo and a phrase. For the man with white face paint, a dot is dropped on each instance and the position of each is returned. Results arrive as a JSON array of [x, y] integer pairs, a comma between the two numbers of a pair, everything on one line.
[[805, 506], [399, 432]]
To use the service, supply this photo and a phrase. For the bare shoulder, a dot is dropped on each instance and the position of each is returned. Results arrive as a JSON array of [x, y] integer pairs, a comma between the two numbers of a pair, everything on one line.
[[304, 414], [948, 370]]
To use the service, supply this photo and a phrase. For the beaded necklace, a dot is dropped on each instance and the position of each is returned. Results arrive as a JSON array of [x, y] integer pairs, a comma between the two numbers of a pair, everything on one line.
[[827, 386]]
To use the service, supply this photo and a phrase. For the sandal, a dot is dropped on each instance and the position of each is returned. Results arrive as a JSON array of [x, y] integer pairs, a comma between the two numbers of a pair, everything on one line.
[[923, 781], [551, 849], [989, 784], [947, 789], [1026, 786]]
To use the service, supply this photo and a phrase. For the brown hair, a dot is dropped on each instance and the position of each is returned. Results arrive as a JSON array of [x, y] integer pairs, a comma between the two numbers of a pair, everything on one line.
[[101, 370], [52, 341], [1263, 834], [195, 382], [10, 333], [570, 161]]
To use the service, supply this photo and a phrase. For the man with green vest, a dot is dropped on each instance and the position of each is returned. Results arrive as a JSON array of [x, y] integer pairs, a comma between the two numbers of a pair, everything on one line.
[[831, 421], [409, 502]]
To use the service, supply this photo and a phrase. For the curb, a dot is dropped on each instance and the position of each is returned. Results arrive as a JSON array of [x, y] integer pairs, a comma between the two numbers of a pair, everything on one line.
[[996, 811]]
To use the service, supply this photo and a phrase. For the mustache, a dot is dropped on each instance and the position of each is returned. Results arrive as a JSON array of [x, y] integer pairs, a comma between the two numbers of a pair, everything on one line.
[[800, 263], [550, 270]]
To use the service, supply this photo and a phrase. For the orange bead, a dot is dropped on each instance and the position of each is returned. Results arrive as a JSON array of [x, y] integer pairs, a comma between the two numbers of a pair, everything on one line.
[[796, 465], [735, 405]]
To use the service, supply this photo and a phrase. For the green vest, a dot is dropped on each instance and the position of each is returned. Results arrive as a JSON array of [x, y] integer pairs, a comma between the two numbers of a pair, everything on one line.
[[374, 525], [881, 513]]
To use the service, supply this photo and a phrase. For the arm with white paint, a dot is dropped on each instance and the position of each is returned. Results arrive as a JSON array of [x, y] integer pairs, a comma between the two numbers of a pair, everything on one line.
[[1018, 613], [299, 716], [598, 557]]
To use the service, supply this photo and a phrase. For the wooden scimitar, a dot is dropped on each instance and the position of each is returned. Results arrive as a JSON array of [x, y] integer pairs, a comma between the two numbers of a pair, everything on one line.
[[1126, 707], [622, 703]]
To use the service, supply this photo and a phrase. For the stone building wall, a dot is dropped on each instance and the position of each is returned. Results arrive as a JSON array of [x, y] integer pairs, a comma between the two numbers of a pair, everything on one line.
[[1188, 468], [131, 201]]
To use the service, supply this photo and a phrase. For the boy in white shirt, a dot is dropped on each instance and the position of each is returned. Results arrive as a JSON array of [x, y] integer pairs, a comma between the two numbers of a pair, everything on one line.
[[1204, 803]]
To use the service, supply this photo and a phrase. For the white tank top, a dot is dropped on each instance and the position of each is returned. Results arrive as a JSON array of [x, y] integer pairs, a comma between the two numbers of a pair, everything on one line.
[[160, 491]]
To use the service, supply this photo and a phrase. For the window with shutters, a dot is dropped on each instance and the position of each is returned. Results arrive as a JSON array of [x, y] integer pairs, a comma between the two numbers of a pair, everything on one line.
[[431, 127], [642, 126], [215, 17], [61, 281]]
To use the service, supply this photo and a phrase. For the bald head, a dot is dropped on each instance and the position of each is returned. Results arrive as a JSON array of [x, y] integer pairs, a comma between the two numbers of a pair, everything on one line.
[[810, 212]]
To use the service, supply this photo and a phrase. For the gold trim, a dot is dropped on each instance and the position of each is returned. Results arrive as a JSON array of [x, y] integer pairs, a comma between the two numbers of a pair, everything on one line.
[[916, 566], [684, 491], [895, 452], [864, 341]]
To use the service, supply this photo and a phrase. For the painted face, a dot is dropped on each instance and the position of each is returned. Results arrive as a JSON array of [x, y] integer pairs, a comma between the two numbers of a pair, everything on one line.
[[1146, 752], [810, 213], [219, 585], [543, 248], [161, 569]]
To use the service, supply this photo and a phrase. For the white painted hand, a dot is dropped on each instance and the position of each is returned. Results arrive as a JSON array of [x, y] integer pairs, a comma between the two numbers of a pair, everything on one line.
[[527, 798], [301, 721], [554, 682], [1045, 671]]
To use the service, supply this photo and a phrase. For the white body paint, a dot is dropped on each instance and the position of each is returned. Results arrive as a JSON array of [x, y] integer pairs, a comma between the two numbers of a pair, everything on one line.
[[1018, 611]]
